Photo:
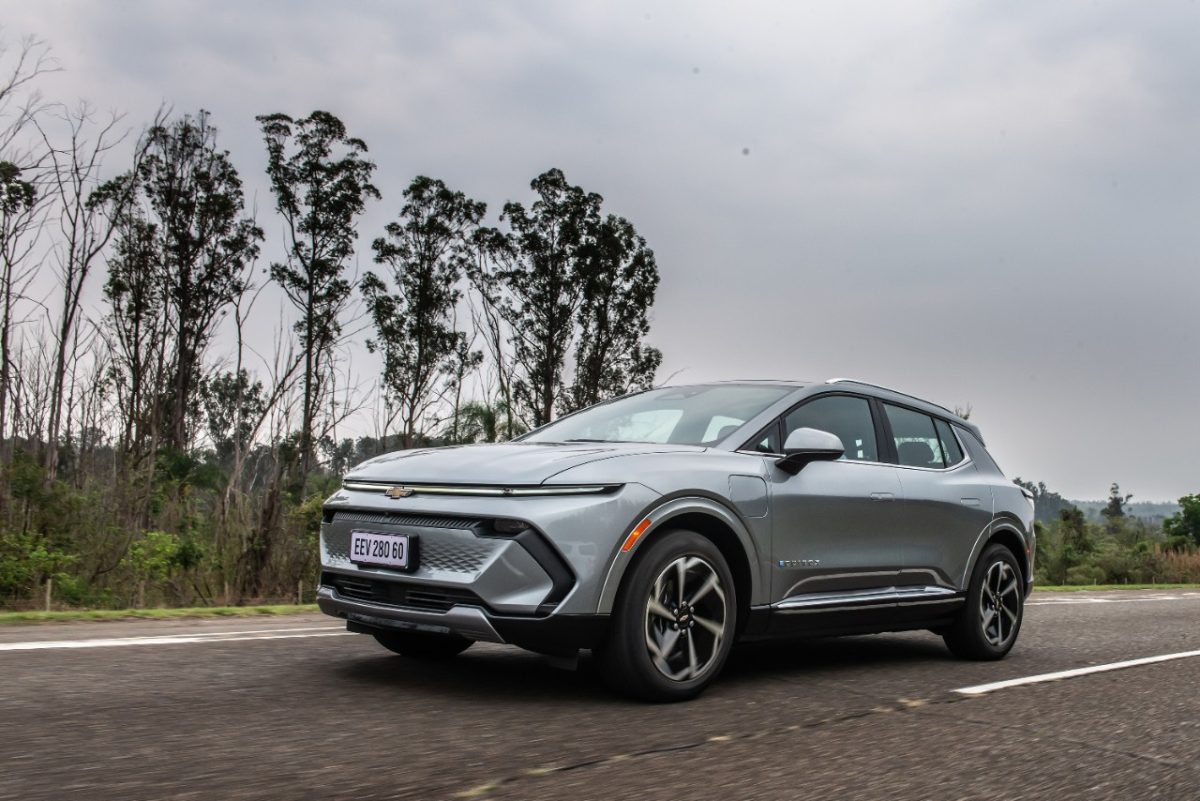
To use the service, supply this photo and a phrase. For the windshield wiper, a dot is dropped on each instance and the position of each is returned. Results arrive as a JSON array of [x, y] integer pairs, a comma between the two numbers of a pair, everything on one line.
[[585, 439]]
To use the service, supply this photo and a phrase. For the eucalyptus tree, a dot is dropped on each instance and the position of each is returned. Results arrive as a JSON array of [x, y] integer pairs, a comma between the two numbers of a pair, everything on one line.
[[22, 204], [85, 219], [21, 211], [234, 402], [137, 333], [489, 321], [187, 238], [618, 279], [539, 268], [321, 180], [426, 251]]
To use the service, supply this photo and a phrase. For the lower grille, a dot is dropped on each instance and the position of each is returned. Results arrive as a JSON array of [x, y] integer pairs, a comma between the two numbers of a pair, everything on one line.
[[448, 545], [396, 593]]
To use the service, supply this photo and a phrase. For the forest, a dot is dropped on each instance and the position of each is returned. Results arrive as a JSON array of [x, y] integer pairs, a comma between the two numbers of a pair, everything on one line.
[[158, 444], [167, 438], [1118, 548]]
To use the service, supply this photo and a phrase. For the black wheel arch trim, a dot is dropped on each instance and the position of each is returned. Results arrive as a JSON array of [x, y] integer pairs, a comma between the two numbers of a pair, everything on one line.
[[1006, 534], [670, 507]]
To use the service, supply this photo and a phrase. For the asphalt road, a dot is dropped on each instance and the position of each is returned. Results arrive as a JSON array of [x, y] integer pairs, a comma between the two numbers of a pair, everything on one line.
[[292, 708]]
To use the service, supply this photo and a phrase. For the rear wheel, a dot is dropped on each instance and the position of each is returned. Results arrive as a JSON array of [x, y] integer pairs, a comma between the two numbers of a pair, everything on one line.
[[673, 622], [423, 645], [988, 625]]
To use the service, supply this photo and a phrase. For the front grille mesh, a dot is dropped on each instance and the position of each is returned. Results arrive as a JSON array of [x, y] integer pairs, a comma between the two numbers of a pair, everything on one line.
[[396, 593], [446, 544]]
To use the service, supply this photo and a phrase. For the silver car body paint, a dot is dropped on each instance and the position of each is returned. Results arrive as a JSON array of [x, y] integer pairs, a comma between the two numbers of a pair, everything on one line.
[[868, 537]]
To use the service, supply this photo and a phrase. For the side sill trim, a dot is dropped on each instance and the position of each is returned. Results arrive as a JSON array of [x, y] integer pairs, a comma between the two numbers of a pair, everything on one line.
[[857, 599]]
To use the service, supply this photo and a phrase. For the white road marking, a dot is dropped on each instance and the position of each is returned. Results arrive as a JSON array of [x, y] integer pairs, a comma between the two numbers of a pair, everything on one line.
[[983, 689], [179, 639], [1138, 599]]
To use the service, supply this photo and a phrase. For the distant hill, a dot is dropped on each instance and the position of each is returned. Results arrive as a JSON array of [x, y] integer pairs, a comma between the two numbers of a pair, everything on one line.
[[1149, 511]]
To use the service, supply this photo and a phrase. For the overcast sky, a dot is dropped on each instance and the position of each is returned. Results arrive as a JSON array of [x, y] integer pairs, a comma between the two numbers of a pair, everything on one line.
[[985, 204]]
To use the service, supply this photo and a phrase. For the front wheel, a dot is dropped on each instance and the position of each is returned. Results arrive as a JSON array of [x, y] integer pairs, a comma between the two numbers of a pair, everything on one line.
[[673, 623], [988, 625], [423, 645]]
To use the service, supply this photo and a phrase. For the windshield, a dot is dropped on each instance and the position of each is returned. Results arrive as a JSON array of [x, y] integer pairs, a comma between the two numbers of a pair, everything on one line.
[[701, 415]]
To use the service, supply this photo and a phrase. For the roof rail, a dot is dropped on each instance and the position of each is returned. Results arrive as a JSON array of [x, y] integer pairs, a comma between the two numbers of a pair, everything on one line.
[[890, 389]]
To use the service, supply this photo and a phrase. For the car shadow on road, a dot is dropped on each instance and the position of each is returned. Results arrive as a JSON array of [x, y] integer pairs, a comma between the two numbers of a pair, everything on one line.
[[834, 652], [490, 671], [479, 673]]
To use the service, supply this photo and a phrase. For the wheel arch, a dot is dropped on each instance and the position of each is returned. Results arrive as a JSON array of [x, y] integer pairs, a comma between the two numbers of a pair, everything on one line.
[[711, 520], [1010, 538]]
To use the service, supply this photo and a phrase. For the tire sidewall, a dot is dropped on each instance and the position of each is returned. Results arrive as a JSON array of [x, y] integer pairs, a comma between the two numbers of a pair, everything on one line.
[[628, 635], [991, 555]]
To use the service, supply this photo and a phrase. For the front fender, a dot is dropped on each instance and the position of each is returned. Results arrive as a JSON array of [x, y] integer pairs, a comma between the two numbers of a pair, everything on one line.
[[660, 517]]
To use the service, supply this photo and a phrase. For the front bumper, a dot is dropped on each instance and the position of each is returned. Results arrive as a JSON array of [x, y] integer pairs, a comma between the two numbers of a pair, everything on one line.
[[551, 634], [539, 588], [558, 565], [468, 621]]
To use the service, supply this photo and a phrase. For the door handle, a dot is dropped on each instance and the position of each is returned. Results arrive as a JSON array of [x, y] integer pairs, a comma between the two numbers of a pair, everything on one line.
[[882, 496], [970, 501]]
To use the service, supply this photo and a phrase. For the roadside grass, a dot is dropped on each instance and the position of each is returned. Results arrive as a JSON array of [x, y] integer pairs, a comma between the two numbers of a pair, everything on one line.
[[1107, 587], [18, 618], [69, 615]]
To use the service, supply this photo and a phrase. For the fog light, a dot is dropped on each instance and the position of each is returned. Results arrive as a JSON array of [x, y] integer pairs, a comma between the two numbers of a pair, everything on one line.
[[509, 526]]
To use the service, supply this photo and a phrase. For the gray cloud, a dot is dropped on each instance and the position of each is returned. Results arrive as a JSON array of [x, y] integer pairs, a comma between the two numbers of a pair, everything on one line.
[[984, 205]]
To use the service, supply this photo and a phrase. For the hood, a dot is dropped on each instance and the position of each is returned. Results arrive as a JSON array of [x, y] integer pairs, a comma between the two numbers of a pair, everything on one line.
[[509, 463]]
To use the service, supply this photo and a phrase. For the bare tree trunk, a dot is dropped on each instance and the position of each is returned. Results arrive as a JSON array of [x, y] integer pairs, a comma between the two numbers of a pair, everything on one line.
[[85, 230], [22, 210]]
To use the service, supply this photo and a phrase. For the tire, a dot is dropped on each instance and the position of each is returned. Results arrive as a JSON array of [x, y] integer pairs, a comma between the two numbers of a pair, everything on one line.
[[422, 645], [664, 645], [990, 621]]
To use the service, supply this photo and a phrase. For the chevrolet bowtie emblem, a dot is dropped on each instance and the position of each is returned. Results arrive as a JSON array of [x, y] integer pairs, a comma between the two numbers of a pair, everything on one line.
[[398, 492]]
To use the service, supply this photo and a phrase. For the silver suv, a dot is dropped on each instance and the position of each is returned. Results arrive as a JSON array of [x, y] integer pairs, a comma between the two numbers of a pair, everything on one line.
[[659, 528]]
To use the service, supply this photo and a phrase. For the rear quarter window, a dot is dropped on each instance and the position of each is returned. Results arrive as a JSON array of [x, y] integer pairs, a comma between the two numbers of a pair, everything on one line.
[[976, 449], [950, 447]]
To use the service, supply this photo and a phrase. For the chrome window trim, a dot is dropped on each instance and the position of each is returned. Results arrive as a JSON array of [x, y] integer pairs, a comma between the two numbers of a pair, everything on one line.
[[966, 461]]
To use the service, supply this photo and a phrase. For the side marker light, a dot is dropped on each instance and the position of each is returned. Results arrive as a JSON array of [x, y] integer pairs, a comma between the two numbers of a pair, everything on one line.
[[637, 532]]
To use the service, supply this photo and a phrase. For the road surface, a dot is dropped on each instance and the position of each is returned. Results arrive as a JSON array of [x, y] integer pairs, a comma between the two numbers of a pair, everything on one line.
[[294, 708]]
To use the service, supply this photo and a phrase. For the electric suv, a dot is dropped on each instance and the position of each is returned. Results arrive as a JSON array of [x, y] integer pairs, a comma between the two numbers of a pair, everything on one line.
[[659, 528]]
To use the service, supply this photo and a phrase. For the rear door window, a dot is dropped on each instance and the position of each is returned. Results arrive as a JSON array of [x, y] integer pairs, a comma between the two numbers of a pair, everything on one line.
[[917, 441]]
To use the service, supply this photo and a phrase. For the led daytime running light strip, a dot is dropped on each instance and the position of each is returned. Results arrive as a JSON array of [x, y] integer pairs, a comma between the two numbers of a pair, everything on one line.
[[494, 492]]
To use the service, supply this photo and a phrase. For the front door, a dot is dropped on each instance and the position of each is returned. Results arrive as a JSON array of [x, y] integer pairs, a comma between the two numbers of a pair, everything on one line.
[[833, 529]]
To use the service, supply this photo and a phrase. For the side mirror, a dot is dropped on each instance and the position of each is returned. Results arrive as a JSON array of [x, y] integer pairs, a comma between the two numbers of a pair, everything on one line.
[[806, 445]]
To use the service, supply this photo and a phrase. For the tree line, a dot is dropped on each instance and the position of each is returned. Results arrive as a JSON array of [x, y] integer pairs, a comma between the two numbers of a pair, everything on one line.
[[1119, 548], [156, 447]]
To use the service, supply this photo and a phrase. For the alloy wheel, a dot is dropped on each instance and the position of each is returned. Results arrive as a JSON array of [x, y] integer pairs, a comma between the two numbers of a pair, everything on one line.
[[686, 618], [1000, 603]]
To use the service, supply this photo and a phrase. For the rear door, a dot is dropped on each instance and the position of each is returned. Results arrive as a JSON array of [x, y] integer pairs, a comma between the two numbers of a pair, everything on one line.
[[946, 505]]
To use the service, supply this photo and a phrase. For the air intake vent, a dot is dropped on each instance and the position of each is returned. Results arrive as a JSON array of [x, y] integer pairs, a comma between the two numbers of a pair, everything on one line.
[[396, 593], [426, 521]]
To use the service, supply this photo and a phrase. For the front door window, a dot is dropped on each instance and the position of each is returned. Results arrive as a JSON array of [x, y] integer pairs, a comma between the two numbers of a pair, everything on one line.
[[844, 415]]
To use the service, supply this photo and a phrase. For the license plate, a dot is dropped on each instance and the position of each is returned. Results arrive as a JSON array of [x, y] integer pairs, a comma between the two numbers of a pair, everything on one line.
[[382, 550]]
